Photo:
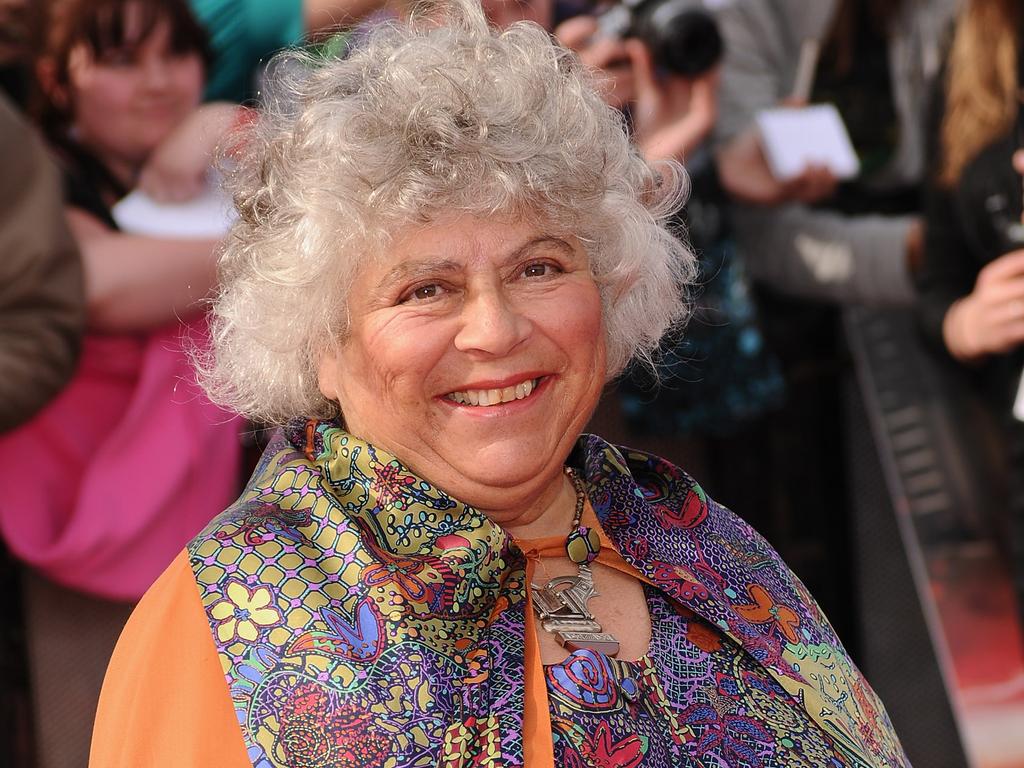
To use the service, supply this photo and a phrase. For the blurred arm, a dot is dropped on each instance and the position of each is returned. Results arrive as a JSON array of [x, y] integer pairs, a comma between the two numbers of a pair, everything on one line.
[[176, 171], [672, 115], [828, 256], [41, 296], [134, 283]]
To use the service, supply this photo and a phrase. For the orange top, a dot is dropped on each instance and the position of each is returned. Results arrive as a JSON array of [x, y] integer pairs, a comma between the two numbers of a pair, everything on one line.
[[538, 742], [165, 701]]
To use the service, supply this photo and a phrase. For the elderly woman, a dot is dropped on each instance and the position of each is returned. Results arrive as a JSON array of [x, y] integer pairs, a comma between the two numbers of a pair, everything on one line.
[[447, 246]]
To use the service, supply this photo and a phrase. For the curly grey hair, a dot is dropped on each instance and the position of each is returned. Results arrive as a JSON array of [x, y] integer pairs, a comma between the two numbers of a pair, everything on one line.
[[424, 119]]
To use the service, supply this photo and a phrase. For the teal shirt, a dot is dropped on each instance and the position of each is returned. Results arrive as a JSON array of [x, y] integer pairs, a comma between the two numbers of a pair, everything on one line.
[[243, 35]]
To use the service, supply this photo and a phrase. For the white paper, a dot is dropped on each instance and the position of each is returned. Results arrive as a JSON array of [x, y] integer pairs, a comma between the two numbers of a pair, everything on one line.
[[205, 217], [794, 138]]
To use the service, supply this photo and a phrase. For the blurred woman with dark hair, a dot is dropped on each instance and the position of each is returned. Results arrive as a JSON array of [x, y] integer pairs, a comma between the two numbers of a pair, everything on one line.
[[111, 478]]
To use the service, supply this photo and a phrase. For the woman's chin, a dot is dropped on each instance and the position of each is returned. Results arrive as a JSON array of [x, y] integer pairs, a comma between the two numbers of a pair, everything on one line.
[[491, 476]]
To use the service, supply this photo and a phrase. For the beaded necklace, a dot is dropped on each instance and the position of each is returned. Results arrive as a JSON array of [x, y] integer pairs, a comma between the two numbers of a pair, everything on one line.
[[561, 605]]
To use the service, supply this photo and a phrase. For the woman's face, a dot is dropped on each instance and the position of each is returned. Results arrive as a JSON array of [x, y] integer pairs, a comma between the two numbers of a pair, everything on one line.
[[125, 102], [476, 355]]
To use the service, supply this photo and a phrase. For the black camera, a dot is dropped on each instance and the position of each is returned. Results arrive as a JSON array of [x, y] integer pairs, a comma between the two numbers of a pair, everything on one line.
[[1007, 228], [681, 35]]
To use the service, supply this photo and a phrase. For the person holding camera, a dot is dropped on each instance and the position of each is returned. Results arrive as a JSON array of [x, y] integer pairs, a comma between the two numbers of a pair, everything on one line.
[[660, 60], [971, 281]]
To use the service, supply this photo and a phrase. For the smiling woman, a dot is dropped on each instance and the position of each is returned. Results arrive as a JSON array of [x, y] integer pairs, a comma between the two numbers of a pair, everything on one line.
[[447, 246], [444, 328]]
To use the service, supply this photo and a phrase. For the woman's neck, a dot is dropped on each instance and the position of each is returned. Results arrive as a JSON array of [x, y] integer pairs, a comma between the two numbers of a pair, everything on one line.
[[550, 515]]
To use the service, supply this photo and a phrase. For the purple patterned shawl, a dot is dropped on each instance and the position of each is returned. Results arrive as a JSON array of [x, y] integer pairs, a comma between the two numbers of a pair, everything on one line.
[[364, 617]]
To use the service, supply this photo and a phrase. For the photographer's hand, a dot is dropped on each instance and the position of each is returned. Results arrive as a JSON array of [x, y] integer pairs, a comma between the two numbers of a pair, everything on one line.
[[672, 115], [602, 52], [990, 319]]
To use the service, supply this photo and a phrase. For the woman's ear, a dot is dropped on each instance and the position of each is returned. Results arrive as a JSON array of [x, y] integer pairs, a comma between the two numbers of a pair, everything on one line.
[[327, 374], [327, 378]]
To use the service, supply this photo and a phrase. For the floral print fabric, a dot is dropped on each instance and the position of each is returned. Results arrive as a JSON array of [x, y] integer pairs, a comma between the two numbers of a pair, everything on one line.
[[694, 699], [364, 617]]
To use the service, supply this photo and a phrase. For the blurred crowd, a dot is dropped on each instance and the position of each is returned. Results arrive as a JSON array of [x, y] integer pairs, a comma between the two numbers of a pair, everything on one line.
[[116, 117]]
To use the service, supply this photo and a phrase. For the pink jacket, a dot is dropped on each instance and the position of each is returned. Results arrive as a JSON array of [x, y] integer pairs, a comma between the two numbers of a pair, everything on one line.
[[108, 482]]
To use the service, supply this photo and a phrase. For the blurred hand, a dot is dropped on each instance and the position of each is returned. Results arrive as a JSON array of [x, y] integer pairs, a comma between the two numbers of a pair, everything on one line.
[[610, 55], [990, 319], [815, 183], [746, 175], [671, 115], [1018, 161], [176, 171]]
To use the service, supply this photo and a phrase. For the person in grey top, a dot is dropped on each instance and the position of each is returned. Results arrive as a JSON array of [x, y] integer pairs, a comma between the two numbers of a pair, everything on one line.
[[795, 239]]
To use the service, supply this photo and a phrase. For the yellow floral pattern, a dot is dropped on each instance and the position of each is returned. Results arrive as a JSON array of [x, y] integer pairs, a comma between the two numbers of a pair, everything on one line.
[[243, 611]]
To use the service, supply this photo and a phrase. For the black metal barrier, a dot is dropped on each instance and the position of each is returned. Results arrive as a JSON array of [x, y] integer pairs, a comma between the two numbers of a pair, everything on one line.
[[940, 630]]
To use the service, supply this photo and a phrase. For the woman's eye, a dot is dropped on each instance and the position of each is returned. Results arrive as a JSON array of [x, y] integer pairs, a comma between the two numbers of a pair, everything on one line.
[[424, 293], [540, 269]]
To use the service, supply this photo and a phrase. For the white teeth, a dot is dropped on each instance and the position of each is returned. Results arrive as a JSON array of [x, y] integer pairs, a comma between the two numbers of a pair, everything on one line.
[[488, 397]]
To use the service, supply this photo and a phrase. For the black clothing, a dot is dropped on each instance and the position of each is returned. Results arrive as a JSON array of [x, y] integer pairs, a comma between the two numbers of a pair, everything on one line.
[[88, 185], [967, 227]]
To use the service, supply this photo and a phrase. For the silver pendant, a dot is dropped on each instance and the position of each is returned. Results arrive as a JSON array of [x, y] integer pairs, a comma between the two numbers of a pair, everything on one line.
[[561, 606]]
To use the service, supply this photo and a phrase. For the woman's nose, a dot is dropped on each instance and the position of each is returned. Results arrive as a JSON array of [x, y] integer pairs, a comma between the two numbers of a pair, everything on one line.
[[156, 72], [491, 324]]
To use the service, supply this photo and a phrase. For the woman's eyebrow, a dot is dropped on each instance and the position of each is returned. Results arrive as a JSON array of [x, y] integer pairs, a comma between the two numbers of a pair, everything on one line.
[[409, 270], [540, 241]]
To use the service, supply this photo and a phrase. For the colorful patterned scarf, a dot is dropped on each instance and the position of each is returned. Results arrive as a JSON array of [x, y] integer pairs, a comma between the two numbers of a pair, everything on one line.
[[364, 617]]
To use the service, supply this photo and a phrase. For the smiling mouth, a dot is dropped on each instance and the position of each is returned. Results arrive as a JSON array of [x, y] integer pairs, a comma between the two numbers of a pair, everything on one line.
[[484, 398]]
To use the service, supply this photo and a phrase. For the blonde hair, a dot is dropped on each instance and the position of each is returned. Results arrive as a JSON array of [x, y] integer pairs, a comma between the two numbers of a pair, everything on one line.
[[437, 116], [982, 92]]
